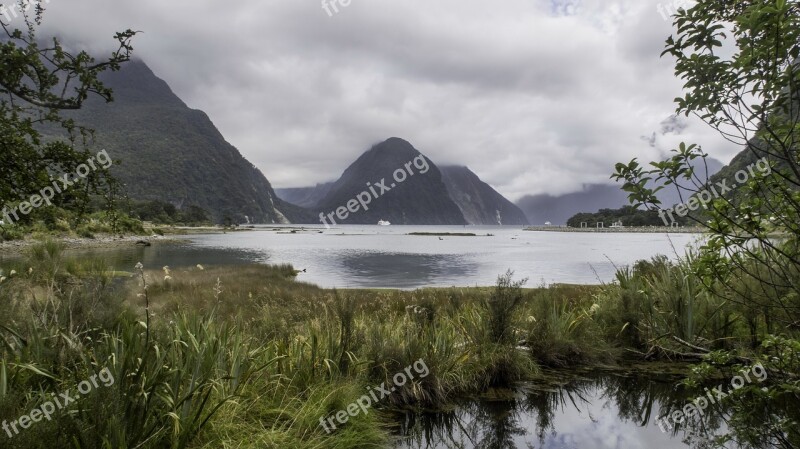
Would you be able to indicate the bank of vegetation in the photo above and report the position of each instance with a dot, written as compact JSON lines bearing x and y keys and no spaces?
{"x":249,"y":357}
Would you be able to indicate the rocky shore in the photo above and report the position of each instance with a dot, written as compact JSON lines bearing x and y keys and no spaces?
{"x":18,"y":246}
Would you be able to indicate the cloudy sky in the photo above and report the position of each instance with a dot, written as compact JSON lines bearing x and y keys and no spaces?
{"x":534,"y":95}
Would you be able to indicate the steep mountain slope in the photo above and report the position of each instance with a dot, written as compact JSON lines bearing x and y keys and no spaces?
{"x":478,"y":201}
{"x":172,"y":153}
{"x":757,"y":149}
{"x":419,"y":198}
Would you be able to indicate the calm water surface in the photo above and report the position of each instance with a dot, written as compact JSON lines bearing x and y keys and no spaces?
{"x":387,"y":257}
{"x":591,"y":411}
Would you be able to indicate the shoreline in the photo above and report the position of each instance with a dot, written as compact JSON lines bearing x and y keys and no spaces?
{"x":17,"y":247}
{"x":105,"y":241}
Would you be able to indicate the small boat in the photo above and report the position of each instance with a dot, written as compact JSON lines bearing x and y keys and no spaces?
{"x":383,"y":223}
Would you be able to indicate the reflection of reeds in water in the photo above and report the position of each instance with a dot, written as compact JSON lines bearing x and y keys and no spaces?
{"x":490,"y":425}
{"x":494,"y":424}
{"x":444,"y":428}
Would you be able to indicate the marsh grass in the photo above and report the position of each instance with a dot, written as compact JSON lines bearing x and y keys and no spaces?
{"x":249,"y":357}
{"x":561,"y":329}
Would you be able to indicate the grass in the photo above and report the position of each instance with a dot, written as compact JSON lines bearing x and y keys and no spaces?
{"x":240,"y":357}
{"x":56,"y":222}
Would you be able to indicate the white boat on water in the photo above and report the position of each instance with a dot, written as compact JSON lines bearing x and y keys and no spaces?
{"x":383,"y":223}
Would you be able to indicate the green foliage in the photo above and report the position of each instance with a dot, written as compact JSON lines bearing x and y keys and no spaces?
{"x":741,"y":288}
{"x":166,"y":213}
{"x":563,"y":329}
{"x":65,"y":223}
{"x":628,"y":215}
{"x":741,"y":261}
{"x":65,"y":322}
{"x":501,"y":307}
{"x":38,"y":81}
{"x":765,"y":386}
{"x":742,"y":223}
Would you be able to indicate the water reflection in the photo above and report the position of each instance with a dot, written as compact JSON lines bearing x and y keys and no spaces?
{"x":390,"y":257}
{"x":404,"y":270}
{"x":598,"y":411}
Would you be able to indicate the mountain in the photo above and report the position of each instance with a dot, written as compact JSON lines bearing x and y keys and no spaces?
{"x":307,"y":197}
{"x":172,"y":153}
{"x":478,"y":201}
{"x":392,"y":181}
{"x":557,"y":209}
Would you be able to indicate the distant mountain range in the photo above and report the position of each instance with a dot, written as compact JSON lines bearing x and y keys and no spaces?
{"x":307,"y":197}
{"x":172,"y":153}
{"x":432,"y":195}
{"x":557,"y":209}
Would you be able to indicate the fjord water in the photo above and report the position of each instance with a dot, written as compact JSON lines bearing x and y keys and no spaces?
{"x":361,"y":256}
{"x":387,"y":257}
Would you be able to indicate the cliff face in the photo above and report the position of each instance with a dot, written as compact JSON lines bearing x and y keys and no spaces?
{"x":172,"y":153}
{"x":478,"y":201}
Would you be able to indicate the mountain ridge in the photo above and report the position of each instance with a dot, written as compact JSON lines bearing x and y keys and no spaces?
{"x":170,"y":152}
{"x":417,"y":197}
{"x":477,"y":202}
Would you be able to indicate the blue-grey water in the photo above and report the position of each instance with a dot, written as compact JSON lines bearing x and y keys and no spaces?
{"x":387,"y":257}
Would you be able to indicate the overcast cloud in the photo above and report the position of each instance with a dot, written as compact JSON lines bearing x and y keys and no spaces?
{"x":534,"y":96}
